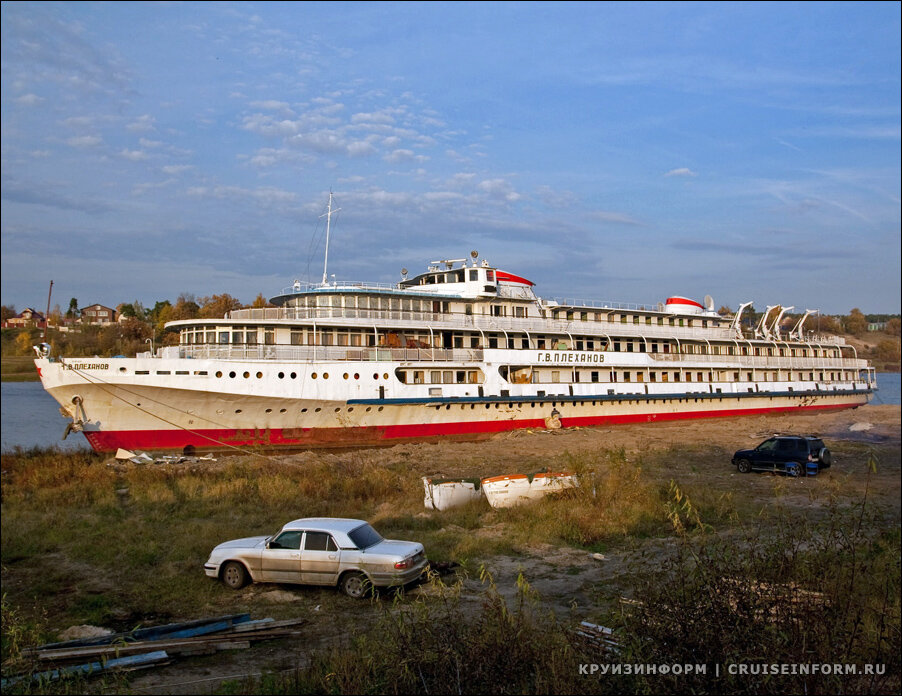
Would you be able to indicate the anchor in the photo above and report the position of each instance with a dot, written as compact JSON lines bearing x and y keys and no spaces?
{"x":78,"y":422}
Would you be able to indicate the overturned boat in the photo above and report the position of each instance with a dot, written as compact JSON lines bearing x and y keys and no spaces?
{"x":515,"y":489}
{"x":442,"y":494}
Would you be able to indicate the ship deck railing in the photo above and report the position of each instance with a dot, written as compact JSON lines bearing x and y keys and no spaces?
{"x":382,"y":320}
{"x":327,"y":353}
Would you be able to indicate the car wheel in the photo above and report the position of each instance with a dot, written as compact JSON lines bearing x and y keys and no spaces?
{"x":234,"y":575}
{"x":794,"y":469}
{"x":743,"y":466}
{"x":355,"y":585}
{"x":825,"y":457}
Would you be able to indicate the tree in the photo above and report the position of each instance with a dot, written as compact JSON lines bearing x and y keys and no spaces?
{"x":126,"y":310}
{"x":856,"y":323}
{"x":7,"y":312}
{"x":828,"y":325}
{"x":72,"y":312}
{"x":724,"y":311}
{"x":24,"y":342}
{"x":892,"y":326}
{"x":56,"y":316}
{"x":218,"y":306}
{"x":260,"y":302}
{"x":888,"y":350}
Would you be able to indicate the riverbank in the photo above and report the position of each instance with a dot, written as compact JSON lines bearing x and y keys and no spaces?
{"x":88,"y":540}
{"x":18,"y":369}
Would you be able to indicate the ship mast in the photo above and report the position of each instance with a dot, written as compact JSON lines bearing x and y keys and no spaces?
{"x":328,"y":217}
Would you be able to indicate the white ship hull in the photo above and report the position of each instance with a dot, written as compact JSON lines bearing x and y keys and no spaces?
{"x":179,"y":404}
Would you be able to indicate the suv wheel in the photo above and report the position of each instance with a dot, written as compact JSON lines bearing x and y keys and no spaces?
{"x":825,"y":457}
{"x":795,"y":469}
{"x":743,"y":466}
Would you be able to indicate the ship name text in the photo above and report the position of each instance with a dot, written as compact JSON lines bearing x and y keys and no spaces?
{"x":86,"y":366}
{"x":569,"y":357}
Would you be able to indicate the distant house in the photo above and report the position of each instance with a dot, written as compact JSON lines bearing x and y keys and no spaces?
{"x":98,"y":314}
{"x":27,"y":317}
{"x":877,"y":326}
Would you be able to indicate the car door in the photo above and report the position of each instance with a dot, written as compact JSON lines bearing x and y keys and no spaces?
{"x":765,"y":454}
{"x":281,"y":559}
{"x":787,"y":454}
{"x":320,"y":559}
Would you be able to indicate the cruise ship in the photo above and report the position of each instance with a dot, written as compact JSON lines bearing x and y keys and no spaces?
{"x":462,"y":350}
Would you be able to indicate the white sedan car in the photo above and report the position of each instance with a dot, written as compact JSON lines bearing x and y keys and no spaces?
{"x":319,"y":551}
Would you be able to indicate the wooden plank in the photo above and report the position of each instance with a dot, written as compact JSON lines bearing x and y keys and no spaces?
{"x":131,"y":662}
{"x":149,"y":633}
{"x":170,"y":645}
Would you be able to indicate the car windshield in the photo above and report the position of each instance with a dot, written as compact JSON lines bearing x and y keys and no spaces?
{"x":365,"y":536}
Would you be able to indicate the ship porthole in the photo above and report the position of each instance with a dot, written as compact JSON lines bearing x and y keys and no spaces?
{"x":337,"y":410}
{"x":375,"y":375}
{"x":345,"y":375}
{"x":303,"y":410}
{"x":356,"y":375}
{"x":282,"y":410}
{"x":219,"y":374}
{"x":247,"y":374}
{"x":232,"y":374}
{"x":293,"y":375}
{"x":237,"y":410}
{"x":325,"y":375}
{"x":350,"y":409}
{"x":317,"y":410}
{"x":269,"y":410}
{"x":259,"y":375}
{"x":379,"y":409}
{"x":313,"y":375}
{"x":281,"y":375}
{"x":368,"y":409}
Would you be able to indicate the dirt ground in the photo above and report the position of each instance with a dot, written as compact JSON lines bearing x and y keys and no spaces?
{"x":567,"y":579}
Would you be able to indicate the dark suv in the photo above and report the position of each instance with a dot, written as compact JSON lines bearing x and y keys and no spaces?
{"x":790,"y":454}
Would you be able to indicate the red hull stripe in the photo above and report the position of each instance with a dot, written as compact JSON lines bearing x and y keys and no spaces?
{"x":300,"y":438}
{"x":683,"y":301}
{"x":505,"y":277}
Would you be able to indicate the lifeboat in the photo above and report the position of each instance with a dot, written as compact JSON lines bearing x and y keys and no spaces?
{"x":683,"y":305}
{"x":515,"y":489}
{"x":442,"y":494}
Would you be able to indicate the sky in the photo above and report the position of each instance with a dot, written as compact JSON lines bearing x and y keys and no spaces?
{"x":623,"y":152}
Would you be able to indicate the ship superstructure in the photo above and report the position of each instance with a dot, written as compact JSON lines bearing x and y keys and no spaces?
{"x":464,"y":349}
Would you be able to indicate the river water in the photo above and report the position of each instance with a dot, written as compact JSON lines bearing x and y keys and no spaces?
{"x":30,"y":417}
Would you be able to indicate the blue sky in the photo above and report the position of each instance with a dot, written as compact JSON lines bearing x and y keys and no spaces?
{"x":621,"y":152}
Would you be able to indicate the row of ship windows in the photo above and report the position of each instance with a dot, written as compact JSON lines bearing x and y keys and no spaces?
{"x":326,"y":337}
{"x":476,"y":376}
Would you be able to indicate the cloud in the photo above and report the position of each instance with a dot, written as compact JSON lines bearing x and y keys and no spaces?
{"x":133,"y":155}
{"x":176,"y":169}
{"x":609,"y":216}
{"x":499,"y":189}
{"x":682,"y":171}
{"x":29,"y":100}
{"x":142,"y":124}
{"x":85,"y":141}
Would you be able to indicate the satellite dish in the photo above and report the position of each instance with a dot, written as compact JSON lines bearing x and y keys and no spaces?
{"x":404,"y":272}
{"x":709,"y":303}
{"x":474,"y":253}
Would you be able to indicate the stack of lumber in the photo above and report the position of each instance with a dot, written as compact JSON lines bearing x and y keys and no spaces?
{"x":154,"y":646}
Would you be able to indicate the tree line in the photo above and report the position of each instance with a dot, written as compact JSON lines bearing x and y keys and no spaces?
{"x":142,"y":327}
